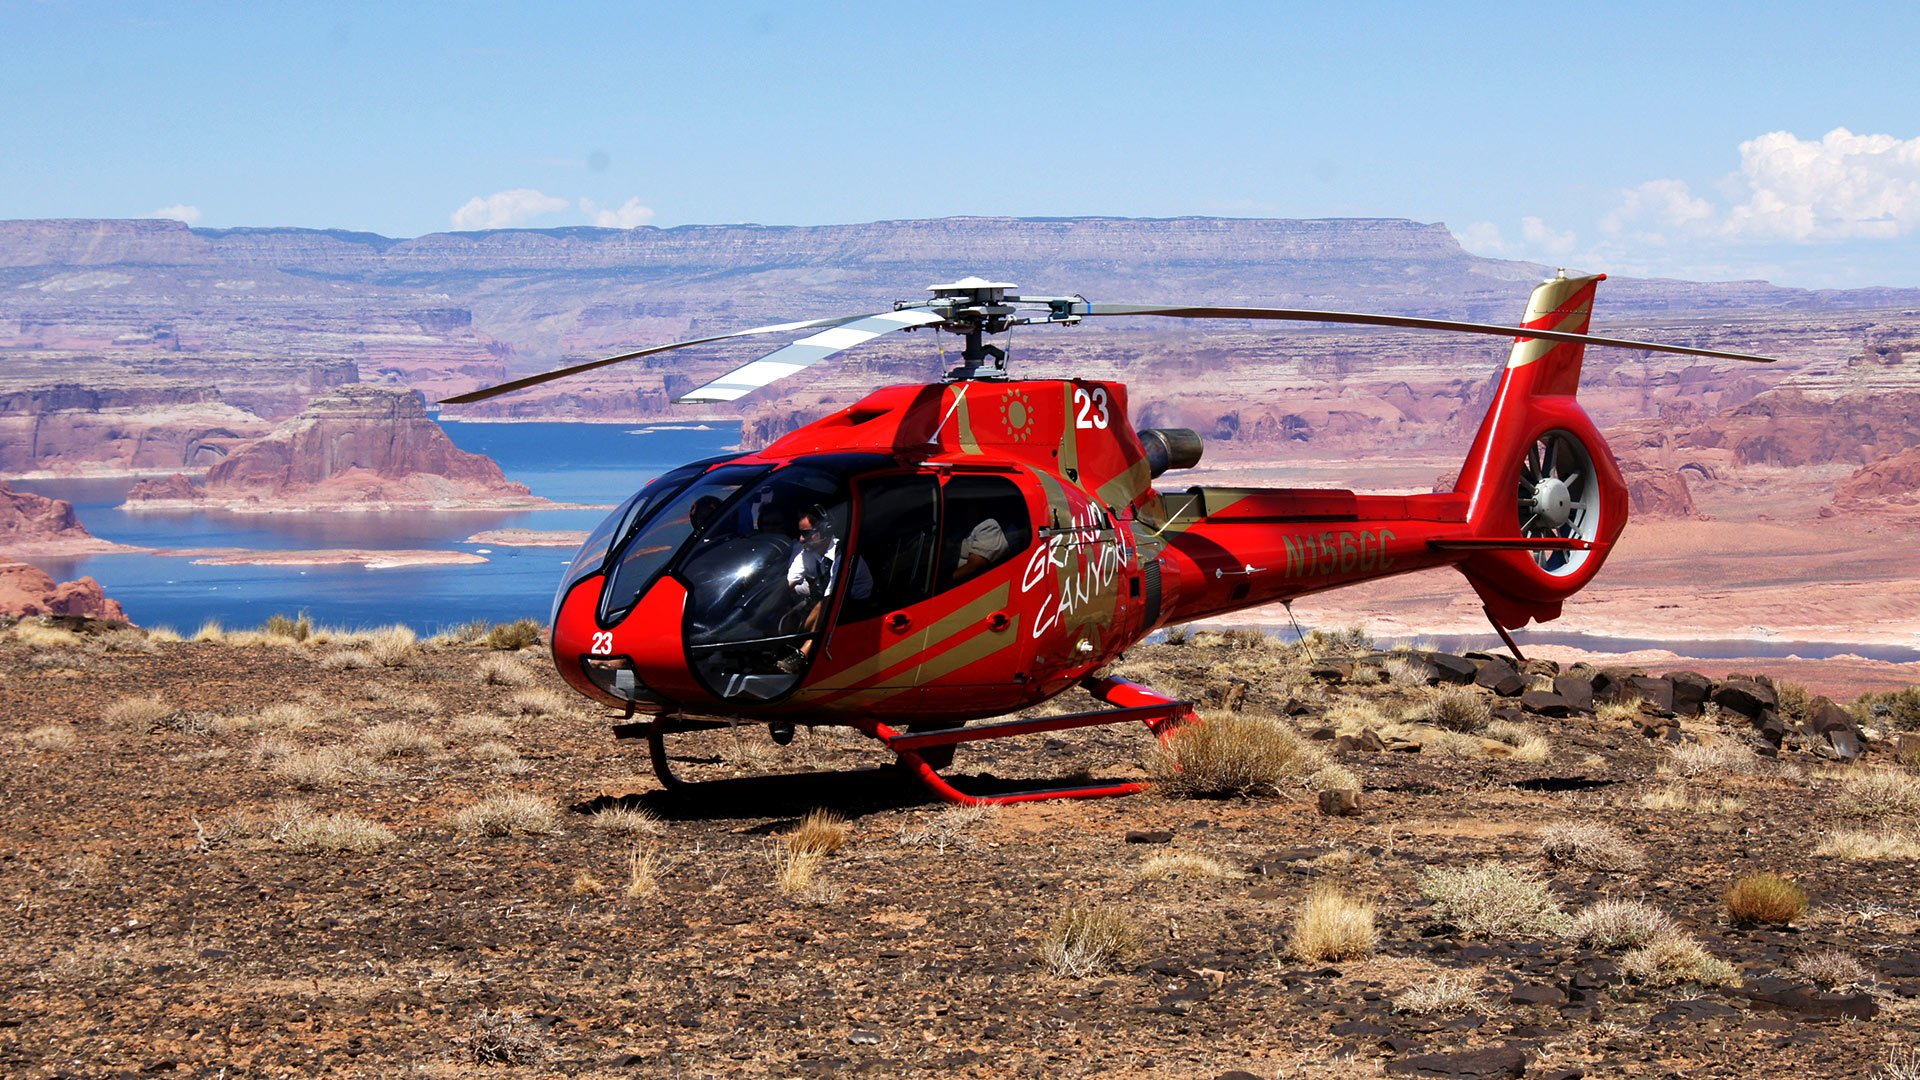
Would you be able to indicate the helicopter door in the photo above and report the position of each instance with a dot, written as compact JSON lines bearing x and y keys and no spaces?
{"x":943,"y":560}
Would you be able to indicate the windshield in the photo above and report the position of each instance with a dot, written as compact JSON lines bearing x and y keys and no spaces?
{"x":654,"y":535}
{"x":593,"y":554}
{"x":761,"y":579}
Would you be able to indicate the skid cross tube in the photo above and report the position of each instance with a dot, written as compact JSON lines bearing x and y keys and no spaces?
{"x":1162,"y":715}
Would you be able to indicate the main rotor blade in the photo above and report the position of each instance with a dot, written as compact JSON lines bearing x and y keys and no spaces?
{"x":1365,"y":319}
{"x":807,"y":352}
{"x":561,"y":373}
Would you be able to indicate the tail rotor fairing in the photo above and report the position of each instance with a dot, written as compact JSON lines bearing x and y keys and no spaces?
{"x":1559,"y":496}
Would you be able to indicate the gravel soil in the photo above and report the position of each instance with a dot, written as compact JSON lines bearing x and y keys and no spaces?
{"x":168,"y":911}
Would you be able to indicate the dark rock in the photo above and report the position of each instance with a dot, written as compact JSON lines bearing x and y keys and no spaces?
{"x":863,"y":1038}
{"x":1331,"y":670}
{"x":1608,"y":683}
{"x":1142,"y":836}
{"x":1493,"y":671}
{"x":1540,"y":667}
{"x":1340,"y":802}
{"x":1537,"y":994}
{"x":1546,"y":703}
{"x":1690,"y":690}
{"x":1491,"y":1062}
{"x":1368,"y":740}
{"x":1448,"y":668}
{"x":1323,"y":734}
{"x":1654,"y":692}
{"x":1402,"y":746}
{"x":1833,"y":729}
{"x":1747,"y":697}
{"x":1809,"y":1002}
{"x":1238,"y":1074}
{"x":1359,"y":1027}
{"x":1577,"y":691}
{"x":1235,"y":697}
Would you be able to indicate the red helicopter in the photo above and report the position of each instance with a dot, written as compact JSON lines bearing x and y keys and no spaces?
{"x":937,"y":554}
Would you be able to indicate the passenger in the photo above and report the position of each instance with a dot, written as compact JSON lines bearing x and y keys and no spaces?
{"x":702,"y":511}
{"x":983,"y":547}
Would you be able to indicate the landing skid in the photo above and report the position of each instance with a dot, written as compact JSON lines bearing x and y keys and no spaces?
{"x":1161,"y":714}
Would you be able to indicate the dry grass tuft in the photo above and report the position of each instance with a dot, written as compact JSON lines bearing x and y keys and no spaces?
{"x":819,"y":833}
{"x":504,"y":671}
{"x":286,"y":716}
{"x":539,"y":702}
{"x":794,"y":871}
{"x":1693,"y":760}
{"x":1676,"y":958}
{"x":296,"y":629}
{"x":1619,"y":924}
{"x":948,"y":825}
{"x":644,"y":866}
{"x":1333,"y":926}
{"x":1859,"y":845}
{"x":35,"y":634}
{"x":398,"y":739}
{"x":52,"y":738}
{"x":630,"y":822}
{"x":1402,"y":669}
{"x":1449,"y":993}
{"x":1184,"y":866}
{"x":333,"y":834}
{"x":518,"y":634}
{"x":393,"y":646}
{"x":211,"y":632}
{"x":1765,"y":898}
{"x":1903,"y":1063}
{"x":1086,"y":941}
{"x":515,"y":813}
{"x":1618,"y":712}
{"x":1878,"y":793}
{"x":163,"y":635}
{"x":504,"y":1037}
{"x":481,"y":726}
{"x":325,"y":767}
{"x":1529,"y":746}
{"x":1590,"y":844}
{"x":1836,"y":969}
{"x":142,"y":713}
{"x":1492,"y":900}
{"x":347,"y":659}
{"x":499,"y":755}
{"x":1452,"y":708}
{"x":585,"y":884}
{"x":1231,"y":754}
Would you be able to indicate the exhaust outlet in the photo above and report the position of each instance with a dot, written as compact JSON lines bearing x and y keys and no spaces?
{"x":1171,"y":448}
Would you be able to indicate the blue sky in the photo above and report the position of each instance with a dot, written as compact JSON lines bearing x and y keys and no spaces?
{"x":1696,"y":140}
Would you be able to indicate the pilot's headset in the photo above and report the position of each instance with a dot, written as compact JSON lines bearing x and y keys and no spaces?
{"x":822,"y":524}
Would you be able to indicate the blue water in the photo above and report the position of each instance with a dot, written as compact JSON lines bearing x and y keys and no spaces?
{"x":573,"y":463}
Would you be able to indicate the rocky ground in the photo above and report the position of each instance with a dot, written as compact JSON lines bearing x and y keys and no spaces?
{"x":260,"y":856}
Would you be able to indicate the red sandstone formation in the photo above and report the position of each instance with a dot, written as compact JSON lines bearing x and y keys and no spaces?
{"x":28,"y":518}
{"x":27,"y":590}
{"x":357,"y":448}
{"x":1655,"y":493}
{"x":1892,"y":482}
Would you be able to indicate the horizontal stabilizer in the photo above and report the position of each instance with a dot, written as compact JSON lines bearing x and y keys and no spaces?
{"x":1507,"y":543}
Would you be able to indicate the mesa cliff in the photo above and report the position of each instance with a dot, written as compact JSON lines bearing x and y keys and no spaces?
{"x":27,"y":590}
{"x":358,"y":448}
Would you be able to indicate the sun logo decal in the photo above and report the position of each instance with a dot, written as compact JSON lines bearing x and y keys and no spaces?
{"x":1016,"y":412}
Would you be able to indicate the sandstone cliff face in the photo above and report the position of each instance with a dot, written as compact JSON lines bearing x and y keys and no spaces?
{"x":70,"y":429}
{"x":1792,"y":427}
{"x":27,"y":590}
{"x":1892,"y":482}
{"x":1655,"y":494}
{"x":357,"y":448}
{"x":26,"y":518}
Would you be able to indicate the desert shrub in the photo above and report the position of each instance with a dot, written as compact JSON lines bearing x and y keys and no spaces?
{"x":644,"y":865}
{"x":504,"y":1037}
{"x":1179,"y":635}
{"x":1405,"y":669}
{"x":298,"y":628}
{"x":393,"y":646}
{"x":1449,"y":993}
{"x":163,"y":635}
{"x":52,"y":737}
{"x":1705,"y":760}
{"x":819,"y":833}
{"x":539,"y":702}
{"x":1895,"y":710}
{"x":504,"y":671}
{"x":497,"y":754}
{"x":398,"y":739}
{"x":1332,"y":926}
{"x":1366,"y":675}
{"x":140,"y":713}
{"x":1625,"y":711}
{"x":1087,"y":940}
{"x":1590,"y":844}
{"x":1859,"y":845}
{"x":347,"y":659}
{"x":1681,"y":797}
{"x":1675,"y":958}
{"x":1835,"y":969}
{"x":1183,"y":866}
{"x":1793,"y":700}
{"x":518,"y":634}
{"x":1351,"y":641}
{"x":284,"y":716}
{"x":334,"y":834}
{"x":1765,"y":898}
{"x":481,"y":726}
{"x":794,"y":871}
{"x":585,"y":884}
{"x":324,"y":767}
{"x":1618,"y":924}
{"x":1491,"y":900}
{"x":1231,"y":754}
{"x":1528,"y":745}
{"x":1876,"y":793}
{"x":36,"y":634}
{"x":1452,"y":708}
{"x":515,"y":813}
{"x":625,"y":821}
{"x":211,"y":632}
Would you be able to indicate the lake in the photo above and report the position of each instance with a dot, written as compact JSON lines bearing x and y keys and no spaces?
{"x":575,"y":463}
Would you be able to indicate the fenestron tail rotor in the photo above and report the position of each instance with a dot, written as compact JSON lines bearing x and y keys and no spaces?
{"x":975,"y":308}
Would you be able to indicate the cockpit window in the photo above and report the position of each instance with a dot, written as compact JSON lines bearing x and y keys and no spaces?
{"x":653,"y":535}
{"x":593,"y":554}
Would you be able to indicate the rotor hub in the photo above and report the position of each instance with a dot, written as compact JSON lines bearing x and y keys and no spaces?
{"x":1552,"y":501}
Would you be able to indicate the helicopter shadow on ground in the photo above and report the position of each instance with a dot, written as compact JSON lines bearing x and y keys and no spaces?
{"x":851,"y":794}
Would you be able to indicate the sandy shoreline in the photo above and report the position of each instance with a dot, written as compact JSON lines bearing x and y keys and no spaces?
{"x":372,"y":560}
{"x":460,"y":507}
{"x":567,"y":538}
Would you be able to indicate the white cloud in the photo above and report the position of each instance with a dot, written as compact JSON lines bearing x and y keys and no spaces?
{"x":629,"y":215}
{"x":178,"y":212}
{"x":1653,"y":211}
{"x":1536,"y":236}
{"x":1483,"y":238}
{"x":1844,"y":186}
{"x":505,"y":209}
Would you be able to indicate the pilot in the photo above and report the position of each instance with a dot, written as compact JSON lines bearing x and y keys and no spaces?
{"x":810,"y":575}
{"x":984,"y":546}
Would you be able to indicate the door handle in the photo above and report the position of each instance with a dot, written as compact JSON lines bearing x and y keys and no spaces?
{"x":899,"y":623}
